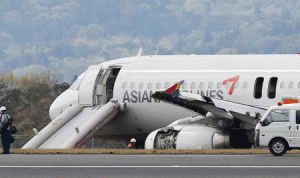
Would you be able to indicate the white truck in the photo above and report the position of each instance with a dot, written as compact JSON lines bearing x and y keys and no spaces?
{"x":279,"y":129}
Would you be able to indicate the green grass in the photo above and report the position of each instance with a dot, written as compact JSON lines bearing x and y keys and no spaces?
{"x":147,"y":152}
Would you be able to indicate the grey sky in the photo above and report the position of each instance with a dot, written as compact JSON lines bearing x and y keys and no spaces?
{"x":67,"y":36}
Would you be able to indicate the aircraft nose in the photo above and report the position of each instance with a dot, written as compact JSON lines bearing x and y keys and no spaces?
{"x":63,"y":102}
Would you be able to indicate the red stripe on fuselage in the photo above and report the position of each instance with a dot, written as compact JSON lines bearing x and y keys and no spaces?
{"x":234,"y":80}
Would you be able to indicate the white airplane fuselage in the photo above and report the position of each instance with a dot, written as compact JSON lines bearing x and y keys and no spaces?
{"x":256,"y":80}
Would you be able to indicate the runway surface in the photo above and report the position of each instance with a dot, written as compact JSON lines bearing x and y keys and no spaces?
{"x":149,"y":166}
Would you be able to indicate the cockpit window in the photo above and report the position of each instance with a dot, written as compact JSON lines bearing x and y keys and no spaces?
{"x":80,"y":81}
{"x":76,"y":84}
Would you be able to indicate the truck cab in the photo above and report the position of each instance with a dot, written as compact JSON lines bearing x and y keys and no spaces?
{"x":279,"y":128}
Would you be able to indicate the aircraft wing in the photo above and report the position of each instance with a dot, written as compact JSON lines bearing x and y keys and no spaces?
{"x":204,"y":104}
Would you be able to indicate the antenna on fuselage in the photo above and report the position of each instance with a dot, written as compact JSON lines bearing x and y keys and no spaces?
{"x":140,"y":52}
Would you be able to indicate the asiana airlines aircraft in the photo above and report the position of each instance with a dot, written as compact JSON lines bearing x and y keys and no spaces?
{"x":171,"y":101}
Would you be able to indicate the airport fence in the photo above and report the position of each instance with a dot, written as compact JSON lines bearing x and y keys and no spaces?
{"x":21,"y":140}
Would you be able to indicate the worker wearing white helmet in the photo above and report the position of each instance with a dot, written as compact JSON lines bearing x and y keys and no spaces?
{"x":132,"y":144}
{"x":5,"y":130}
{"x":3,"y":108}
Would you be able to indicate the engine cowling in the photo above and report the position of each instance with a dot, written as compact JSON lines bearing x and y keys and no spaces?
{"x":188,"y":137}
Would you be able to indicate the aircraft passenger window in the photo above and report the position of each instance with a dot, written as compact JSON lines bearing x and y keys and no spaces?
{"x":219,"y":85}
{"x":245,"y":85}
{"x":282,"y":85}
{"x":193,"y":85}
{"x":167,"y":85}
{"x":298,"y":85}
{"x":272,"y":87}
{"x":184,"y":85}
{"x":291,"y":85}
{"x":297,"y":117}
{"x":141,"y":85}
{"x":201,"y":85}
{"x":228,"y":84}
{"x":158,"y":85}
{"x":132,"y":85}
{"x":236,"y":86}
{"x":124,"y":85}
{"x":210,"y":85}
{"x":149,"y":85}
{"x":258,"y":87}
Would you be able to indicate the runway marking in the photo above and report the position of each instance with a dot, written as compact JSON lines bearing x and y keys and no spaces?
{"x":175,"y":166}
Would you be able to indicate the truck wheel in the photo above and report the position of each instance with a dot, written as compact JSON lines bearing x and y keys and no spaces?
{"x":278,"y":147}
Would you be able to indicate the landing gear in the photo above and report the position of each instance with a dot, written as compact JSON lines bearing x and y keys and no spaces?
{"x":239,"y":139}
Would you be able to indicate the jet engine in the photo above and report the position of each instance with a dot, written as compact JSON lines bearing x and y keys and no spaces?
{"x":188,"y":137}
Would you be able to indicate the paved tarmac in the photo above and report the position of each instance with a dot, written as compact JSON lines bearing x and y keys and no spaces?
{"x":149,"y":166}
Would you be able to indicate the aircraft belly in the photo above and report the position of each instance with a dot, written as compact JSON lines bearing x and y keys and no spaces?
{"x":144,"y":118}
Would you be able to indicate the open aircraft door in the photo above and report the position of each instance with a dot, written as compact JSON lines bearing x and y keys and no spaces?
{"x":87,"y":88}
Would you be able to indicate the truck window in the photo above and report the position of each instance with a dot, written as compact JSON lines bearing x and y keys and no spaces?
{"x":297,"y":117}
{"x":278,"y":115}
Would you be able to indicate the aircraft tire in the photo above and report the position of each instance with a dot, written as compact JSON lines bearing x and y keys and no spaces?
{"x":278,"y":147}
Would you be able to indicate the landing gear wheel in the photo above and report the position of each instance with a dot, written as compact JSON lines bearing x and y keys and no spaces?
{"x":278,"y":147}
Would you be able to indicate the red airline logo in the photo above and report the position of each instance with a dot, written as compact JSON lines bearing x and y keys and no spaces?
{"x":233,"y":80}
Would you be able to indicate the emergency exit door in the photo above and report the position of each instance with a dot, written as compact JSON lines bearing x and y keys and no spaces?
{"x":88,"y":85}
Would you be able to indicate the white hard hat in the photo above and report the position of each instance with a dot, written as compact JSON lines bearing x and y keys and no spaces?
{"x":133,"y":140}
{"x":3,"y":108}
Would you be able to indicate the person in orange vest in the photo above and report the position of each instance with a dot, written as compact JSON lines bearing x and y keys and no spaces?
{"x":132,"y":143}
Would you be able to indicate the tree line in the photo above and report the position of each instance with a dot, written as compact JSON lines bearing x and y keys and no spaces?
{"x":28,"y":98}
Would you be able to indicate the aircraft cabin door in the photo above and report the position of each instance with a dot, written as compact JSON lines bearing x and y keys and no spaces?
{"x":87,"y":88}
{"x":105,"y":85}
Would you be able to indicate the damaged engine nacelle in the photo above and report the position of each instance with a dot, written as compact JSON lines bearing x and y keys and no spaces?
{"x":188,"y":137}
